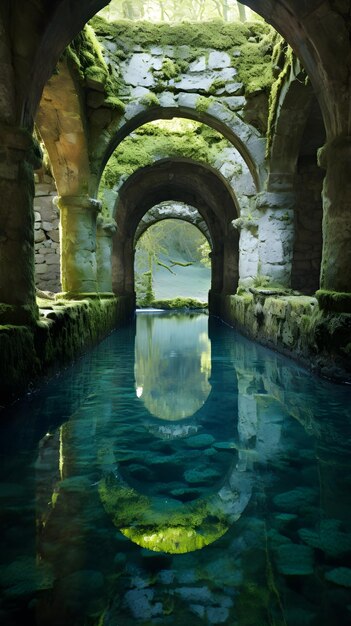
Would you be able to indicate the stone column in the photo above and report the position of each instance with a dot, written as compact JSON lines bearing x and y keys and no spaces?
{"x":231,"y":263}
{"x":335,"y":157}
{"x":105,"y":232}
{"x":78,"y":244}
{"x":276,"y":236}
{"x":18,"y":155}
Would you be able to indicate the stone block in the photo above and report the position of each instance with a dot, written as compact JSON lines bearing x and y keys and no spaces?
{"x":40,"y":268}
{"x":44,"y":205}
{"x":199,"y":65}
{"x":95,"y":99}
{"x":54,"y":235}
{"x":218,"y":60}
{"x":101,"y":117}
{"x":137,"y":72}
{"x":39,"y":258}
{"x":39,"y":236}
{"x":52,"y":259}
{"x":37,"y":216}
{"x":234,"y":89}
{"x":43,"y":189}
{"x":235,"y":103}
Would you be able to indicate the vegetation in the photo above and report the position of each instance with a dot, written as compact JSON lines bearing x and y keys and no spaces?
{"x":176,"y":10}
{"x":158,"y":140}
{"x":156,"y":247}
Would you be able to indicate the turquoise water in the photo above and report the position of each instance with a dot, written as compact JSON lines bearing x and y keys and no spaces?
{"x":177,"y":473}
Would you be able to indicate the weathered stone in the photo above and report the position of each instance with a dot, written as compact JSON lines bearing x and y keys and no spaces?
{"x":95,"y":99}
{"x":199,"y":65}
{"x":54,"y":235}
{"x":52,"y":259}
{"x":137,"y":72}
{"x":39,"y":236}
{"x":218,"y":60}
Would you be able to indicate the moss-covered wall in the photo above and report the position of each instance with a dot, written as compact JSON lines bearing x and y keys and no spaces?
{"x":66,"y":329}
{"x":296,"y":326}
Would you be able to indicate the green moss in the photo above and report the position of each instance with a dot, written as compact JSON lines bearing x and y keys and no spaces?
{"x":85,"y":53}
{"x":179,"y":303}
{"x":214,"y":34}
{"x":115,"y":103}
{"x":150,"y":142}
{"x":285,"y":53}
{"x":203,"y":103}
{"x":338,"y":302}
{"x":169,"y":69}
{"x":30,"y":353}
{"x":150,"y":100}
{"x":255,"y":65}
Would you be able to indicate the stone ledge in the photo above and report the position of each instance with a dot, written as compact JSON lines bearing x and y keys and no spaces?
{"x":31,"y":354}
{"x":296,"y":327}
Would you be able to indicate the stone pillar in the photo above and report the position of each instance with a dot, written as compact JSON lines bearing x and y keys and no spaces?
{"x":18,"y":155}
{"x":335,"y":157}
{"x":276,"y":236}
{"x":104,"y":234}
{"x":78,"y":244}
{"x":231,"y":263}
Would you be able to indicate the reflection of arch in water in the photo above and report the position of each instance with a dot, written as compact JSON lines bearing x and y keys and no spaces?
{"x":172,"y":370}
{"x":160,"y":526}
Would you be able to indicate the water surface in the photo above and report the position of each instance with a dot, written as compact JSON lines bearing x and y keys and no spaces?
{"x":177,"y":472}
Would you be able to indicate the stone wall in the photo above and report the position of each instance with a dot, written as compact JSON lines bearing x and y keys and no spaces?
{"x":308,"y":227}
{"x":46,"y":235}
{"x":295,"y":326}
{"x":65,"y":330}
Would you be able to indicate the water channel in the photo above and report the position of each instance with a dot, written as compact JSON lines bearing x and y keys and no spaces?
{"x":177,"y":473}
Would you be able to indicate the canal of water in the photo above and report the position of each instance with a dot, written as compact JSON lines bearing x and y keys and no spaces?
{"x":178,"y":472}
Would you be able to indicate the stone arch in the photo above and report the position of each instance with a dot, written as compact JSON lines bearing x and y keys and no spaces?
{"x":245,"y":138}
{"x":54,"y":29}
{"x":190,"y":182}
{"x":178,"y":211}
{"x":291,"y":114}
{"x":60,"y":121}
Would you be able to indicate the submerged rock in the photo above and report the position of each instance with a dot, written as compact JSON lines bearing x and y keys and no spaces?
{"x":294,"y":560}
{"x":295,"y":499}
{"x":340,"y":576}
{"x":200,"y":441}
{"x":201,"y":476}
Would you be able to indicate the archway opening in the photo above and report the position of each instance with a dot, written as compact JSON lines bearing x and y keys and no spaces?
{"x":172,"y":261}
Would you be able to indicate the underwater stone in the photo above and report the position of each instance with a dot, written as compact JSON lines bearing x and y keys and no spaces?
{"x":217,"y":615}
{"x":294,"y":560}
{"x":225,"y":445}
{"x":295,"y":499}
{"x":340,"y":576}
{"x":201,"y":476}
{"x":327,"y":538}
{"x":195,"y":594}
{"x":200,"y":441}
